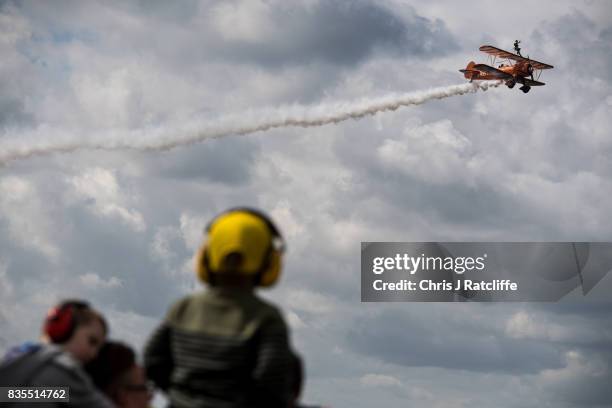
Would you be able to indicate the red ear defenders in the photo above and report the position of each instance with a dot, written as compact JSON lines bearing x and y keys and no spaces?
{"x":60,"y":322}
{"x":269,"y":271}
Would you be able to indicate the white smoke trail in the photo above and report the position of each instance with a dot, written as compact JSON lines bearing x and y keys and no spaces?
{"x":46,"y":140}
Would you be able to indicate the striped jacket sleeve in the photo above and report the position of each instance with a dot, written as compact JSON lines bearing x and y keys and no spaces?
{"x":271,"y":386}
{"x":158,"y":357}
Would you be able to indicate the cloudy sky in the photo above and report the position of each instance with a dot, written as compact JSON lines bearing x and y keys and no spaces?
{"x":120,"y":227}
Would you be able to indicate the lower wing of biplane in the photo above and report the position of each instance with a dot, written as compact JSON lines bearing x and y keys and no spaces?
{"x":492,"y":73}
{"x":531,"y":82}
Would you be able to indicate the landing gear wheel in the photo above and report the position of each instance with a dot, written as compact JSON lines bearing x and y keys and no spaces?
{"x":525,"y":88}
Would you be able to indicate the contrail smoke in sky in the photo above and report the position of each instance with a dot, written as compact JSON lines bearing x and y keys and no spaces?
{"x":44,"y":140}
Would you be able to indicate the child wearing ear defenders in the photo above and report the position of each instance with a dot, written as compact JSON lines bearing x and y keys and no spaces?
{"x":73,"y":333}
{"x":225,"y":346}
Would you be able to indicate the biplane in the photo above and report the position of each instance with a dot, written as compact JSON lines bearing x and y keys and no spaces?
{"x":512,"y":69}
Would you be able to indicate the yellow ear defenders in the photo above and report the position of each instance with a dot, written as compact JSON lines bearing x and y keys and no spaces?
{"x":248,"y":232}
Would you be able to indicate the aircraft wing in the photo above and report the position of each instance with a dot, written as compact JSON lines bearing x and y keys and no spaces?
{"x":497,"y":52}
{"x":530,"y":82}
{"x":494,"y":72}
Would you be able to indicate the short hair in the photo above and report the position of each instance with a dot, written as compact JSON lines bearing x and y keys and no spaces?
{"x":85,"y":314}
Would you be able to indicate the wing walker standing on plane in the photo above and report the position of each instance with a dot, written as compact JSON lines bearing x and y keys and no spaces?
{"x":513,"y":69}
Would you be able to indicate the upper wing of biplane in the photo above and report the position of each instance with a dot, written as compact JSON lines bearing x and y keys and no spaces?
{"x":494,"y":72}
{"x":496,"y":52}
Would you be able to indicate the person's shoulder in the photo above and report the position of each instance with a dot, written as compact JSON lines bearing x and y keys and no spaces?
{"x":20,"y":365}
{"x":66,"y":371}
{"x":61,"y":362}
{"x":265,"y":304}
{"x":177,"y":309}
{"x":20,"y":350}
{"x":51,"y":366}
{"x":56,"y":367}
{"x":267,"y":309}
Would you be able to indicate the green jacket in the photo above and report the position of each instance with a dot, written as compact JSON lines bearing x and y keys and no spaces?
{"x":221,"y":348}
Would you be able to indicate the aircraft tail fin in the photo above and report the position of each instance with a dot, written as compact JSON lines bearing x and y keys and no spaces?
{"x":469,"y":72}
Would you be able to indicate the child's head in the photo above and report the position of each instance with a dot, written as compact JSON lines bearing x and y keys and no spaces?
{"x":78,"y":328}
{"x":243,"y":249}
{"x":117,"y":374}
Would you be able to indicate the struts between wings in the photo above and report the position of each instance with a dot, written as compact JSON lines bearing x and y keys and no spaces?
{"x":513,"y":69}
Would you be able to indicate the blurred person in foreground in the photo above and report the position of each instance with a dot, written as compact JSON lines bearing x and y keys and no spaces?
{"x":73,"y":333}
{"x":297,"y":383}
{"x":117,"y":374}
{"x":225,"y":346}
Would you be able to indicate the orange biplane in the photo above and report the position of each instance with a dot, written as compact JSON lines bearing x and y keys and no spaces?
{"x":514,"y":68}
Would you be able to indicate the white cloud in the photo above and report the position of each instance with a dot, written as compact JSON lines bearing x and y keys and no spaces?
{"x":583,"y":381}
{"x":294,"y":320}
{"x":379,"y":380}
{"x":107,"y":100}
{"x":6,"y":286}
{"x":345,"y":235}
{"x":192,"y":230}
{"x":526,"y":325}
{"x":434,"y":153}
{"x":130,"y":327}
{"x":523,"y":325}
{"x":93,"y":281}
{"x":13,"y":28}
{"x":29,"y":219}
{"x":577,"y":366}
{"x":108,"y":200}
{"x":286,"y":219}
{"x":161,"y":246}
{"x":308,"y":301}
{"x":248,"y":21}
{"x":21,"y":312}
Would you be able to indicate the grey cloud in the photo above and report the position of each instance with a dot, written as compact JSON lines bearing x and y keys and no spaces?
{"x":16,"y":85}
{"x":180,"y":12}
{"x":13,"y":112}
{"x":108,"y":248}
{"x":582,"y":43}
{"x":22,"y":263}
{"x":342,"y":33}
{"x":227,"y":162}
{"x":525,"y":143}
{"x":397,"y":338}
{"x":587,"y":324}
{"x":200,"y":180}
{"x":583,"y":382}
{"x":90,"y":243}
{"x":592,"y":310}
{"x":456,"y":202}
